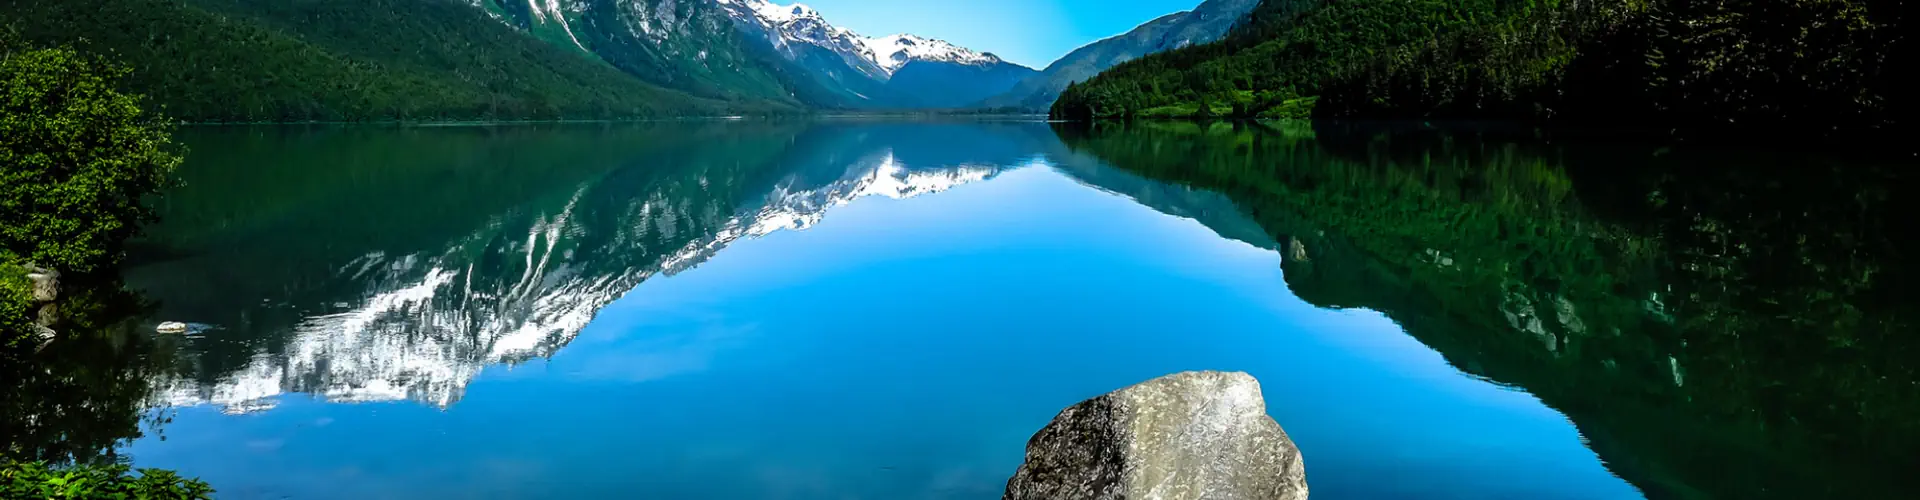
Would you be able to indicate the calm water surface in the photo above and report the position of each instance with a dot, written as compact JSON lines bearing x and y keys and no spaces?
{"x":889,"y":310}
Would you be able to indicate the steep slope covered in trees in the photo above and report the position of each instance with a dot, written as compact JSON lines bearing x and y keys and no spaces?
{"x":249,"y":60}
{"x":1778,"y":65}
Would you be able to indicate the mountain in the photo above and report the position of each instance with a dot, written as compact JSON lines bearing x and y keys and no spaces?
{"x":896,"y":71}
{"x":1208,"y":22}
{"x":756,"y":49}
{"x":260,"y":60}
{"x":687,"y":45}
{"x":819,"y":55}
{"x":937,"y":74}
{"x":361,"y":60}
{"x":1725,"y":69}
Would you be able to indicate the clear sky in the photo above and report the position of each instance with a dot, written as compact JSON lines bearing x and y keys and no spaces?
{"x":1028,"y":32}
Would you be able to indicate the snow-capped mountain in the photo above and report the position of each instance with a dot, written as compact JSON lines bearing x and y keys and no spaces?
{"x":795,"y":30}
{"x":879,"y":57}
{"x":756,"y":48}
{"x":686,"y":45}
{"x":894,"y":51}
{"x":867,"y":67}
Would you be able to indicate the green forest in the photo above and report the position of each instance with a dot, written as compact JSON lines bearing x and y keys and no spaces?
{"x":348,"y":60}
{"x":1790,"y":66}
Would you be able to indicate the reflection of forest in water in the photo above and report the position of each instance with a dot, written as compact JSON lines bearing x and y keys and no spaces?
{"x":1718,"y":324}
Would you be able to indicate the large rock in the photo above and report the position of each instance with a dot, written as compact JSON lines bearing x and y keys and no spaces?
{"x":46,"y":284}
{"x":1189,"y":435}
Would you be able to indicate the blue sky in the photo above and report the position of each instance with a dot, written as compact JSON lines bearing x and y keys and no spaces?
{"x":1029,"y":32}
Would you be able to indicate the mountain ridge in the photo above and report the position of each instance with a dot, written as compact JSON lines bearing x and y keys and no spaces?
{"x":864,"y":67}
{"x":312,"y":60}
{"x":259,"y":61}
{"x":1207,"y":22}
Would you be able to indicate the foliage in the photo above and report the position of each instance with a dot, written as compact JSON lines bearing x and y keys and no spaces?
{"x":16,"y":308}
{"x":69,"y":405}
{"x":38,"y":480}
{"x":78,"y":157}
{"x":1783,"y":66}
{"x":347,"y":60}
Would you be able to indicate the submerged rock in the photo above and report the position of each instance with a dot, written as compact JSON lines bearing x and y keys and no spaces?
{"x":171,"y":327}
{"x":1188,"y":435}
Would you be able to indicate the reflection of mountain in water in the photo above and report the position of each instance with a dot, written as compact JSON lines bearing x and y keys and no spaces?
{"x":796,"y":208}
{"x":418,"y":325}
{"x":1713,"y":333}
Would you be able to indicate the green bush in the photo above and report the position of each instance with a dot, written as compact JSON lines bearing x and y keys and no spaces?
{"x":16,"y":299}
{"x":38,"y":480}
{"x":76,"y":157}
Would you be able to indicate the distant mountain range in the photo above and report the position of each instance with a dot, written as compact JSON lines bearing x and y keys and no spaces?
{"x":894,"y":71}
{"x":359,"y":60}
{"x":755,"y":49}
{"x":1206,"y":23}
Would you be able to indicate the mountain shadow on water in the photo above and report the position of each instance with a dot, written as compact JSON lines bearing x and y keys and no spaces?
{"x":1717,"y":324}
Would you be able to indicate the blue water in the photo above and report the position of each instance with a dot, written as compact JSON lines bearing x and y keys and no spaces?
{"x":901,"y":346}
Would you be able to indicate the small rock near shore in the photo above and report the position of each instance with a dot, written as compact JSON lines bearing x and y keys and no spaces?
{"x":46,"y":284}
{"x":1192,"y":435}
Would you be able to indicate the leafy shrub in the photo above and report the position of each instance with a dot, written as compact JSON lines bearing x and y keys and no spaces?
{"x":76,"y":157}
{"x":16,"y":300}
{"x":38,"y":480}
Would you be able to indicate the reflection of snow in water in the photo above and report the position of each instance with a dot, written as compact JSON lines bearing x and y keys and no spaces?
{"x":787,"y":208}
{"x":430,"y":324}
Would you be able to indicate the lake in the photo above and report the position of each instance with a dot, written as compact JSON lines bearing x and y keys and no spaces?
{"x":888,"y":310}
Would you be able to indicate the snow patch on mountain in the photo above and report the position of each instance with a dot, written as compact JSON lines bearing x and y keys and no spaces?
{"x":892,"y":52}
{"x":551,"y":11}
{"x":879,"y":57}
{"x":781,"y":13}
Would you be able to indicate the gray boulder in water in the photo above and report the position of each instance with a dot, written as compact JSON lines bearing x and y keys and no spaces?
{"x":1192,"y":435}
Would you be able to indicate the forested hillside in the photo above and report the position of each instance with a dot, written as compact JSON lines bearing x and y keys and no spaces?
{"x":300,"y":60}
{"x":1778,"y":65}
